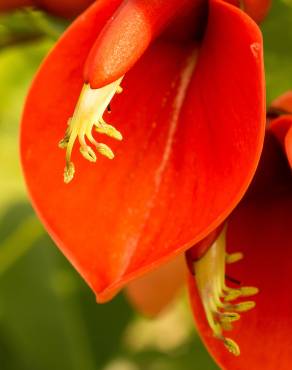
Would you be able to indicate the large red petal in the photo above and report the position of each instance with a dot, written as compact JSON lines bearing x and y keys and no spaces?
{"x":188,"y":156}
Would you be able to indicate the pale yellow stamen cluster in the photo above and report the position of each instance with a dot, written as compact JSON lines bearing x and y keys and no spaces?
{"x":88,"y":114}
{"x":217,"y":297}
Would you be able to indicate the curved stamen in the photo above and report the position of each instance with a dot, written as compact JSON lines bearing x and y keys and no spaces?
{"x":217,"y":296}
{"x":88,"y":113}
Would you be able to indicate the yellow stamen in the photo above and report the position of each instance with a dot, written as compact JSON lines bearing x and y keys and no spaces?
{"x":234,"y":257}
{"x":69,"y":173}
{"x":241,"y":307}
{"x":88,"y":114}
{"x":216,"y":295}
{"x":248,"y":291}
{"x":228,"y":317}
{"x":103,"y":128}
{"x":232,"y":294}
{"x":231,"y":346}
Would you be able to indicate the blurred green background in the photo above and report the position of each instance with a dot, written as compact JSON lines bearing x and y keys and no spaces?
{"x":48,"y":316}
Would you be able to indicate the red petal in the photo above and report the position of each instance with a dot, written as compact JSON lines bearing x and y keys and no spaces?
{"x":283,"y":103}
{"x":262,"y":230}
{"x":151,"y":293}
{"x":272,"y":173}
{"x":127,"y":35}
{"x":257,"y":9}
{"x":199,"y":249}
{"x":282,"y":129}
{"x":187,"y":158}
{"x":288,"y":146}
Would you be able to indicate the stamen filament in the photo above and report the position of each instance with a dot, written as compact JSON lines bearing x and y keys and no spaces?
{"x":88,"y":113}
{"x":216,"y":295}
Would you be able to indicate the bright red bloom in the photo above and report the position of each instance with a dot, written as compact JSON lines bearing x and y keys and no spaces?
{"x":261,"y":228}
{"x":192,"y":116}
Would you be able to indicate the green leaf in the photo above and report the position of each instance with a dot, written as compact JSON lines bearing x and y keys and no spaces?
{"x":277,"y":33}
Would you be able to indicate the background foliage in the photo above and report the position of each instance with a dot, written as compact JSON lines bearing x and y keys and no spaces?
{"x":48,"y":317}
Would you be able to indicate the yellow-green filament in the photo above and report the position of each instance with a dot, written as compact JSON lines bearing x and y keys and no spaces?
{"x":216,"y":296}
{"x":88,"y":114}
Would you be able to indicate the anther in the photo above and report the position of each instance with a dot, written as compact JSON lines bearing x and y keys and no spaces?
{"x":88,"y":153}
{"x":248,"y":291}
{"x":232,"y":294}
{"x":69,"y":172}
{"x":229,"y":316}
{"x":231,"y":346}
{"x":103,"y":128}
{"x":105,"y":150}
{"x":241,"y":307}
{"x":234,"y":257}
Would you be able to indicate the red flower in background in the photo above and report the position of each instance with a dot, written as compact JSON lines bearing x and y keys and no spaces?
{"x":192,"y":116}
{"x":261,"y":228}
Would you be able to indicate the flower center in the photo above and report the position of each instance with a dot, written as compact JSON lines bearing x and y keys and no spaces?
{"x":88,"y":113}
{"x":217,"y":297}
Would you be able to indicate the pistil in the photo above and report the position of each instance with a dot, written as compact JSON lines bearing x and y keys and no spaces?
{"x":88,"y":114}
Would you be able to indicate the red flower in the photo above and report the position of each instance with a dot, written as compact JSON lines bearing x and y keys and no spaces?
{"x":260,"y":228}
{"x":192,"y":116}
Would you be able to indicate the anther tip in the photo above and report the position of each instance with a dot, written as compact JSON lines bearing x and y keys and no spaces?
{"x":243,"y":306}
{"x":88,"y":153}
{"x":231,"y":346}
{"x":232,"y":295}
{"x":69,"y":172}
{"x":105,"y":151}
{"x":249,"y":291}
{"x":234,"y":257}
{"x":63,"y":144}
{"x":229,"y":316}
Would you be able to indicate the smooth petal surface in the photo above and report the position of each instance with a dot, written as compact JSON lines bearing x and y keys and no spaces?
{"x":282,"y":129}
{"x":283,"y":103}
{"x":153,"y":292}
{"x":257,"y":9}
{"x":192,"y":132}
{"x":128,"y":34}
